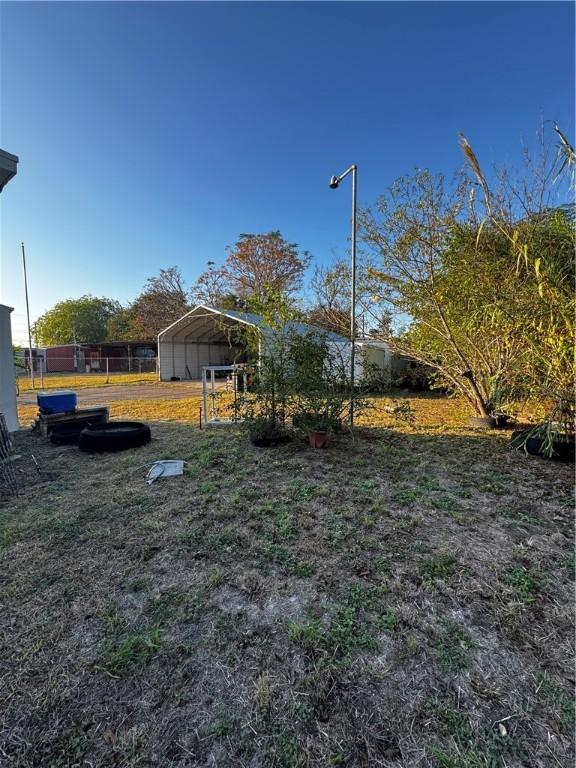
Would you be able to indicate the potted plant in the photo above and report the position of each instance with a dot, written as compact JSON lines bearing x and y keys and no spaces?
{"x":320,"y":391}
{"x":317,"y":425}
{"x":320,"y":413}
{"x":319,"y":434}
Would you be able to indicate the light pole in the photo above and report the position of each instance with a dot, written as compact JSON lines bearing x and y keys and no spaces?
{"x":334,"y":184}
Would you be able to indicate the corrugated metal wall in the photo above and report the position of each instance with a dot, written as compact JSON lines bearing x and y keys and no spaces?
{"x":176,"y":355}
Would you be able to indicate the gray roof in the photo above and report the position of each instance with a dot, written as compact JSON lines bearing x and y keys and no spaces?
{"x":301,"y":329}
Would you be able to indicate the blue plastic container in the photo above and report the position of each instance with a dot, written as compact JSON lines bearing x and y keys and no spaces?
{"x":59,"y":401}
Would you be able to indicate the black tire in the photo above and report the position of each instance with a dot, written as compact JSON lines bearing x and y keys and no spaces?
{"x":483,"y":422}
{"x":67,"y":434}
{"x":114,"y":436}
{"x":563,"y":449}
{"x":517,"y":439}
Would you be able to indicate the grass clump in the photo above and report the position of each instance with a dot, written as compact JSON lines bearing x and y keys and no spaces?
{"x":133,"y":650}
{"x":462,"y":745}
{"x":345,"y":632}
{"x":452,"y":647}
{"x":525,"y":582}
{"x":388,"y":621}
{"x":307,"y":634}
{"x":438,"y":567}
{"x":563,"y":706}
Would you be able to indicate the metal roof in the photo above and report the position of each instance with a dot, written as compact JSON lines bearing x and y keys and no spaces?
{"x":198,"y":323}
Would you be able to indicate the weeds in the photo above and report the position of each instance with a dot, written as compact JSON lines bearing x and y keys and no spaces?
{"x":388,"y":621}
{"x":452,"y":646}
{"x":438,"y":567}
{"x":120,"y":656}
{"x":525,"y":582}
{"x":563,"y":706}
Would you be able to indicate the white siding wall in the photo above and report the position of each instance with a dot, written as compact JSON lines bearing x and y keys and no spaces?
{"x":377,"y":355}
{"x":7,"y":379}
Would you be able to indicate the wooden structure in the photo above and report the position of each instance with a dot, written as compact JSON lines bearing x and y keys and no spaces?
{"x":45,"y":422}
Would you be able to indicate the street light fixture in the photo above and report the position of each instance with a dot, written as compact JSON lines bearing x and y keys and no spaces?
{"x":334,"y":184}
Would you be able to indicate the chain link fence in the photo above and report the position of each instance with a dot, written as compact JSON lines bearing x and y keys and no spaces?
{"x":82,"y":370}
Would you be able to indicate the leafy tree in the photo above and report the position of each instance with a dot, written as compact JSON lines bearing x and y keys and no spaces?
{"x":542,"y":242}
{"x":80,"y":320}
{"x":409,"y":234}
{"x":331,"y":303}
{"x":120,"y":327}
{"x":163,"y":300}
{"x":256,"y":266}
{"x":211,"y":288}
{"x":485,"y":298}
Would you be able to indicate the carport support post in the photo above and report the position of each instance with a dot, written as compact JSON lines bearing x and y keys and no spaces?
{"x":107,"y":372}
{"x":204,"y":398}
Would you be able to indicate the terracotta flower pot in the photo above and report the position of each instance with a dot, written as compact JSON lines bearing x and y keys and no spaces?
{"x":318,"y":439}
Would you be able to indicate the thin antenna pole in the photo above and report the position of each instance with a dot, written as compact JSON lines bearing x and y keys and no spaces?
{"x":28,"y":317}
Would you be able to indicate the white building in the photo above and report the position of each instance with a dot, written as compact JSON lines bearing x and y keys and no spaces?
{"x":7,"y":376}
{"x":207,"y":336}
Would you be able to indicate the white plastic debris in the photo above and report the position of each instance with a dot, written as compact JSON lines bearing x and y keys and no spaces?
{"x":167,"y":468}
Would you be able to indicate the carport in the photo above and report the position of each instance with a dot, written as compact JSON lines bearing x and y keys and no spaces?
{"x":204,"y":336}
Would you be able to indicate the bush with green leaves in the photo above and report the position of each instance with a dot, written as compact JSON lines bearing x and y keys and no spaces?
{"x":321,"y":394}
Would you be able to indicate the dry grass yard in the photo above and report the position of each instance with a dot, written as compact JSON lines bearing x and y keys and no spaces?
{"x":80,"y":381}
{"x":402,"y":600}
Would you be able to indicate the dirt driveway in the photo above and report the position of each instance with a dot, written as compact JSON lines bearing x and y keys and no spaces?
{"x":90,"y":396}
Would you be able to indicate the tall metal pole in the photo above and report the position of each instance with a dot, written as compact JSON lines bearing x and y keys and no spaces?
{"x":28,"y":317}
{"x":353,"y":298}
{"x":334,"y":184}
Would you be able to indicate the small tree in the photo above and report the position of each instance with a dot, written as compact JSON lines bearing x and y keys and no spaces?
{"x":212,"y":289}
{"x":484,"y":299}
{"x":331,"y":298}
{"x":426,"y":276}
{"x":542,"y":243}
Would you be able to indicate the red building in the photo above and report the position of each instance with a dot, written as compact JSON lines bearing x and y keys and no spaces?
{"x":133,"y":356}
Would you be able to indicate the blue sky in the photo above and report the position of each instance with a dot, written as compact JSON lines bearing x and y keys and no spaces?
{"x":152,"y":134}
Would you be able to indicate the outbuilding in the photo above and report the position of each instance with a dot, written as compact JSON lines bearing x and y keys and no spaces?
{"x":206,"y":336}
